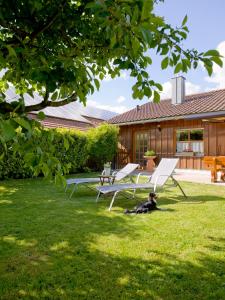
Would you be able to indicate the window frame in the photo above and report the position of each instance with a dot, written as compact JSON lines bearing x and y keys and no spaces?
{"x":189,"y":141}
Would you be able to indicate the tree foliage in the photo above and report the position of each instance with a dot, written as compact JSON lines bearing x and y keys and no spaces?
{"x":62,"y":49}
{"x":56,"y":152}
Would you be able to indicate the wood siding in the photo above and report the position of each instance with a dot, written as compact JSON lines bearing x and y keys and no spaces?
{"x":163,"y":141}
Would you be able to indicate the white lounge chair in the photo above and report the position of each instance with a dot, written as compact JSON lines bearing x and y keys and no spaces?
{"x":119,"y":175}
{"x":157,"y":180}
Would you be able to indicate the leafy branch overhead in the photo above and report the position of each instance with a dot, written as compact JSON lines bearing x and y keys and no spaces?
{"x":65,"y":49}
{"x":62,"y":49}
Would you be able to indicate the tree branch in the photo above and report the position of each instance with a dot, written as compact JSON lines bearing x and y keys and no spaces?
{"x":48,"y":23}
{"x":6,"y":107}
{"x":45,"y":104}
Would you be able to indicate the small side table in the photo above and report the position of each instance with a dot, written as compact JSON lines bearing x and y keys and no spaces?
{"x":106,"y":178}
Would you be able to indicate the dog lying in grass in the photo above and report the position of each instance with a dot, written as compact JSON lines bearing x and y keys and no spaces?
{"x":145,"y":207}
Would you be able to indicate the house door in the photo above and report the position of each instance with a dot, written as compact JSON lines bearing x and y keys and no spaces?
{"x":141,"y":144}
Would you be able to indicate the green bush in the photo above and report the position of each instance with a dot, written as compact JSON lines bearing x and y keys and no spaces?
{"x":103,"y":143}
{"x":74,"y":150}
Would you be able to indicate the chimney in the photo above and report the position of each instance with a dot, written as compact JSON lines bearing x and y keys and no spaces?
{"x":138,"y":108}
{"x":178,"y":90}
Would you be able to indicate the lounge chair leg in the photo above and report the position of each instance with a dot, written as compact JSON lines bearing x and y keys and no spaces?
{"x":114,"y":196}
{"x":134,"y":192}
{"x":66,"y":188}
{"x":177,"y":184}
{"x":75,"y":185}
{"x":182,"y":191}
{"x":99,"y":193}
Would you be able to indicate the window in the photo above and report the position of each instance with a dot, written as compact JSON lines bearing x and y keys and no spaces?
{"x":141,"y":146}
{"x":190,"y":142}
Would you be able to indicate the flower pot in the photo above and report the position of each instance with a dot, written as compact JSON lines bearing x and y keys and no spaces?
{"x":150,"y":163}
{"x":107,"y":171}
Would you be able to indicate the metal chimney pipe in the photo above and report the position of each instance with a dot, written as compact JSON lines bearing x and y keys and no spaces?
{"x":178,"y":90}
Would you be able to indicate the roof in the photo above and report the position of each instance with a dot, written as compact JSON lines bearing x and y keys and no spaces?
{"x":194,"y":105}
{"x":73,"y":111}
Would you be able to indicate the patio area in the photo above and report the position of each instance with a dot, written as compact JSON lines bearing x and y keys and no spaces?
{"x":198,"y":176}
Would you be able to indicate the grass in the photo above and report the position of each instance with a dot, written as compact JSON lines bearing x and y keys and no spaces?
{"x":55,"y":248}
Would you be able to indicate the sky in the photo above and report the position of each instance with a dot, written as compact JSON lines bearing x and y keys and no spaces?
{"x":206,"y":23}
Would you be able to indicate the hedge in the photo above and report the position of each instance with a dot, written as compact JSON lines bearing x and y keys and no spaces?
{"x":78,"y":150}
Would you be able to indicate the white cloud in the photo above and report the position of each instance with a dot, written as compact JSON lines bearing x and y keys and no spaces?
{"x":118,"y":109}
{"x":120,"y":99}
{"x":167,"y":90}
{"x":190,"y":88}
{"x":218,"y":77}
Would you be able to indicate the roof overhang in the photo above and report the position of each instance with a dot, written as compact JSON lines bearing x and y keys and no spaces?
{"x":174,"y":118}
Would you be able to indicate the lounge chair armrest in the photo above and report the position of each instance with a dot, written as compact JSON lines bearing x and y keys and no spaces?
{"x":103,"y":172}
{"x":138,"y":177}
{"x":157,"y":178}
{"x":114,"y":173}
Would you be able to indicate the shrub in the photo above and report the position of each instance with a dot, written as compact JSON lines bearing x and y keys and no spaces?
{"x":71,"y":148}
{"x":103,"y":143}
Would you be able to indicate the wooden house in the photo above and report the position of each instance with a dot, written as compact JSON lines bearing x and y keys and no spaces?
{"x":189,"y":127}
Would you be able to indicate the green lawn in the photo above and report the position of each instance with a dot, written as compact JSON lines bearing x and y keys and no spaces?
{"x":55,"y":248}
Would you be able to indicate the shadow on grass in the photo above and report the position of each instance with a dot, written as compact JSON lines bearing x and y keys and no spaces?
{"x":73,"y":271}
{"x":48,"y":251}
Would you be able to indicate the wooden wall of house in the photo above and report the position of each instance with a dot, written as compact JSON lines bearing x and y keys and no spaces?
{"x":163,"y":141}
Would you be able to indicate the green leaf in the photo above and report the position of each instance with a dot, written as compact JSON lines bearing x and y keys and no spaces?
{"x":11,"y":51}
{"x":159,"y":86}
{"x":164,"y":63}
{"x":144,"y":74}
{"x":135,"y":45}
{"x":217,"y":60}
{"x":135,"y":15}
{"x":97,"y":84}
{"x":178,"y":68}
{"x":183,"y":34}
{"x":43,"y":60}
{"x":60,"y":180}
{"x":148,"y":92}
{"x":66,"y":143}
{"x":23,"y":123}
{"x":147,"y":35}
{"x":148,"y":59}
{"x":7,"y":130}
{"x":113,"y":40}
{"x":195,"y":64}
{"x":156,"y":97}
{"x":184,"y":20}
{"x":2,"y":156}
{"x":54,"y":96}
{"x":101,"y":76}
{"x":209,"y":69}
{"x":45,"y":169}
{"x":212,"y":53}
{"x":41,"y":115}
{"x":146,"y":9}
{"x":165,"y":49}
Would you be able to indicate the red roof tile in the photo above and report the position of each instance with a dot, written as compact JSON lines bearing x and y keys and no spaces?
{"x":210,"y":102}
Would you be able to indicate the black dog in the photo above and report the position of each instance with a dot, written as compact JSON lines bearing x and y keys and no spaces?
{"x":145,"y":207}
